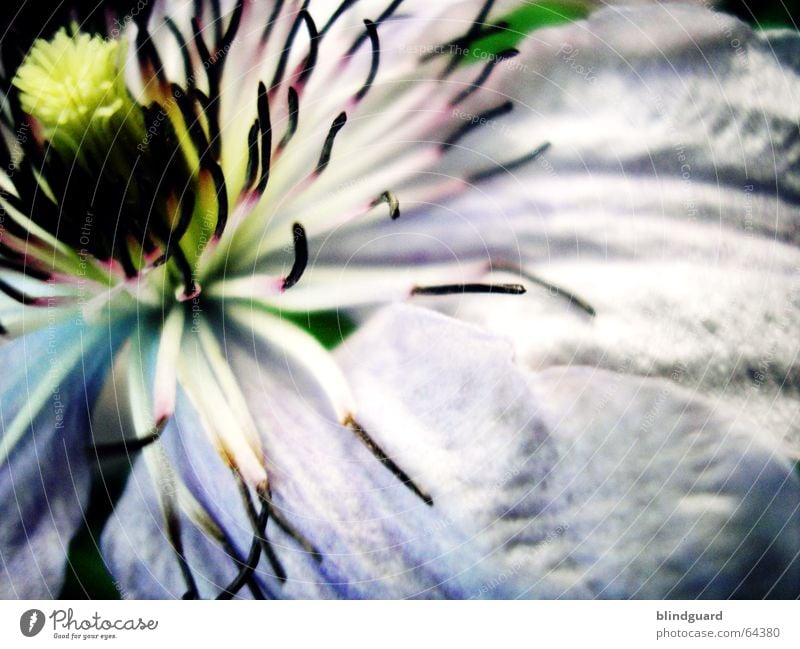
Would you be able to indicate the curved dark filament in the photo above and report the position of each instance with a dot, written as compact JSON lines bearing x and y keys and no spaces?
{"x":391,"y":200}
{"x":280,"y":70}
{"x":20,"y":296}
{"x":221,"y":192}
{"x":459,"y":47}
{"x":507,"y":166}
{"x":477,"y":121}
{"x":300,"y":257}
{"x":372,"y":31}
{"x":24,"y":268}
{"x":342,"y":8}
{"x":214,"y":64}
{"x":233,"y":27}
{"x":216,"y":19}
{"x":187,"y":105}
{"x":273,"y":17}
{"x":476,"y":31}
{"x":147,"y":53}
{"x":313,"y":48}
{"x":176,"y":542}
{"x":185,"y":219}
{"x":327,"y":148}
{"x":573,"y":299}
{"x":184,"y":50}
{"x":294,"y":115}
{"x":248,"y":567}
{"x":387,"y":13}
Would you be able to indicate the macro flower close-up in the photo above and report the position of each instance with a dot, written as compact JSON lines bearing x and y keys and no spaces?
{"x":379,"y":299}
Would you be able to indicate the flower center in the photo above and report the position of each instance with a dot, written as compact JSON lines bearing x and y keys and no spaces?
{"x":73,"y":87}
{"x":98,"y":152}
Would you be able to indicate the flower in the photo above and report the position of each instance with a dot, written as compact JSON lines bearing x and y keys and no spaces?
{"x":183,"y":189}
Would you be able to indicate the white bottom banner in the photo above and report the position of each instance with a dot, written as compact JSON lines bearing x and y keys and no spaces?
{"x":387,"y":625}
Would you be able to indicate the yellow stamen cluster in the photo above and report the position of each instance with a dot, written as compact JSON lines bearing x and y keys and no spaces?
{"x":74,"y":87}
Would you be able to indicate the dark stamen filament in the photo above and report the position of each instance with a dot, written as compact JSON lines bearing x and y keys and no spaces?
{"x":233,"y":27}
{"x":390,"y":199}
{"x":300,"y":257}
{"x":185,"y":220}
{"x":281,"y":521}
{"x":185,"y":268}
{"x":147,"y":52}
{"x":213,"y":68}
{"x":273,"y":17}
{"x":247,"y":570}
{"x":174,"y":534}
{"x":344,"y":6}
{"x":23,"y":267}
{"x":372,"y":30}
{"x":221,"y":192}
{"x":19,"y":296}
{"x":384,"y":16}
{"x":311,"y":59}
{"x":484,"y":75}
{"x":128,"y":446}
{"x":478,"y":120}
{"x":384,"y":459}
{"x":287,"y":48}
{"x":508,"y":166}
{"x":266,"y":137}
{"x":184,"y":50}
{"x":260,"y":534}
{"x":294,"y":114}
{"x":252,"y":155}
{"x":187,"y":105}
{"x":327,"y":148}
{"x":555,"y":290}
{"x":452,"y":289}
{"x":216,"y":19}
{"x":476,"y":30}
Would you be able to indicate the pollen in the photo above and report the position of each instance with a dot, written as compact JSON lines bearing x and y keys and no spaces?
{"x":73,"y":86}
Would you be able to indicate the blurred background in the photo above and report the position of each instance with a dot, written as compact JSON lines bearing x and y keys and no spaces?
{"x":21,"y":22}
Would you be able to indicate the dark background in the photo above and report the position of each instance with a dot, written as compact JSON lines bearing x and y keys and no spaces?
{"x":24,"y":20}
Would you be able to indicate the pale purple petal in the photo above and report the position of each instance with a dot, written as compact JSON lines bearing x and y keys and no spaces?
{"x":50,"y":382}
{"x":569,"y":483}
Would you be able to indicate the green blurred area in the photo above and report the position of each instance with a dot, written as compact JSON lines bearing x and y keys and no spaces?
{"x":523,"y":21}
{"x":87,"y":577}
{"x":532,"y":16}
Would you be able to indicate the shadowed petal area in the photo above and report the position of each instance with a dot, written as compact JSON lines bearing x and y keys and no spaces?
{"x":138,"y":550}
{"x":667,"y":496}
{"x":568,"y":483}
{"x":48,"y":385}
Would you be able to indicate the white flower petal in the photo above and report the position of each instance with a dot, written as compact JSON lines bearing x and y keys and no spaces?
{"x":668,"y":200}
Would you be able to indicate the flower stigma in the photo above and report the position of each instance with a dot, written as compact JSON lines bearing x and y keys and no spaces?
{"x":92,"y":133}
